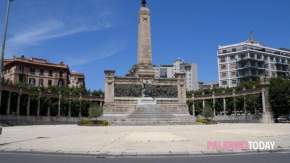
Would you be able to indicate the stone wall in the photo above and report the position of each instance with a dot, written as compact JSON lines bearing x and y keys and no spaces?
{"x":14,"y":120}
{"x":239,"y":118}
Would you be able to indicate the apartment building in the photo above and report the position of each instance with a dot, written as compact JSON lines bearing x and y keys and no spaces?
{"x":77,"y":79}
{"x":211,"y":85}
{"x":37,"y":72}
{"x":168,"y":71}
{"x":248,"y":60}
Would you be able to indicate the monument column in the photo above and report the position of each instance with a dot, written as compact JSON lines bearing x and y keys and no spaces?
{"x":144,"y":63}
{"x":109,"y":86}
{"x":181,"y":87}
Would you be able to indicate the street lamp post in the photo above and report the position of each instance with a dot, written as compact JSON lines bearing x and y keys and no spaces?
{"x":4,"y":39}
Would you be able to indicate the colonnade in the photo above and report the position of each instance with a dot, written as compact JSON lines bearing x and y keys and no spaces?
{"x":39,"y":93}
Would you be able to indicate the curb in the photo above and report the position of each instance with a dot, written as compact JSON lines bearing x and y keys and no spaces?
{"x":136,"y":154}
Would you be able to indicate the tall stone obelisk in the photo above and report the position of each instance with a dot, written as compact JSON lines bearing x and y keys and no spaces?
{"x":144,"y":64}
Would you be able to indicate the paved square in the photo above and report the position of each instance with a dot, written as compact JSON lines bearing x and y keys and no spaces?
{"x":143,"y":139}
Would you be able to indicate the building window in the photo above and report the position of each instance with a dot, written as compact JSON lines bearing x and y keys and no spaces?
{"x":233,"y":58}
{"x":32,"y":70}
{"x":234,"y":74}
{"x":233,"y":65}
{"x":32,"y":81}
{"x":224,"y":83}
{"x":234,"y":81}
{"x":49,"y":82}
{"x":224,"y":51}
{"x":223,"y":59}
{"x":49,"y":72}
{"x":234,"y":49}
{"x":223,"y":67}
{"x":8,"y":71}
{"x":273,"y":74}
{"x":273,"y":67}
{"x":60,"y":74}
{"x":60,"y":83}
{"x":41,"y":71}
{"x":40,"y":82}
{"x":224,"y":75}
{"x":21,"y":69}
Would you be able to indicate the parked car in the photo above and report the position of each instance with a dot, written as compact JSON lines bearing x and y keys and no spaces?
{"x":288,"y":118}
{"x":282,"y":119}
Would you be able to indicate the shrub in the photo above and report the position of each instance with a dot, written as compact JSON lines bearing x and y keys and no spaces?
{"x":87,"y":122}
{"x":95,"y":111}
{"x":201,"y":120}
{"x":105,"y":123}
{"x":207,"y":112}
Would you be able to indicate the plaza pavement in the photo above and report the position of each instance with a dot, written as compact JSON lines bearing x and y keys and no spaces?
{"x":116,"y":140}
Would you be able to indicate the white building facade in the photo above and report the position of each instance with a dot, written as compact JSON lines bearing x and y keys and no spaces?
{"x":168,"y":71}
{"x":248,"y":60}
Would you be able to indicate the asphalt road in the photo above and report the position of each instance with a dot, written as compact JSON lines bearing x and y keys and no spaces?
{"x":252,"y":158}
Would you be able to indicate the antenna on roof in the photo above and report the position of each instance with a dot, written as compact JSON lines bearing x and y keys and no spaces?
{"x":251,"y":34}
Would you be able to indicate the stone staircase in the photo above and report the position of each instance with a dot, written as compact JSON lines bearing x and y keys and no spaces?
{"x":151,"y":114}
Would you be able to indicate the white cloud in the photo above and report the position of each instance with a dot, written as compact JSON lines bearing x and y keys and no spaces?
{"x":109,"y":50}
{"x":48,"y":29}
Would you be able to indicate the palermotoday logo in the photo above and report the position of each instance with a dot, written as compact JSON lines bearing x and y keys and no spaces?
{"x":240,"y":145}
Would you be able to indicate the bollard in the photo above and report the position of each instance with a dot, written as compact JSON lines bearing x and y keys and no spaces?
{"x":0,"y":130}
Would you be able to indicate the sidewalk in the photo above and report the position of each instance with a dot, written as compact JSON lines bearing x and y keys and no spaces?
{"x":138,"y":140}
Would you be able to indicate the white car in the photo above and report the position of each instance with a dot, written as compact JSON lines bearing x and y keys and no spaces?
{"x":282,"y":119}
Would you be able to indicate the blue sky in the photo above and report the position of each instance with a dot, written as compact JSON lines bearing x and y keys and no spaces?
{"x":96,"y":35}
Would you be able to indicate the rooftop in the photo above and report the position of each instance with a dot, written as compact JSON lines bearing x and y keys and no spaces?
{"x":34,"y":61}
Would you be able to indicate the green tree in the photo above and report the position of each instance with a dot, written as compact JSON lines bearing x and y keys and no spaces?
{"x":208,"y":112}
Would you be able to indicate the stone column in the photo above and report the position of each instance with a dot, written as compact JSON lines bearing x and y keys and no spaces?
{"x":91,"y":103}
{"x":48,"y":110}
{"x":38,"y":104}
{"x":18,"y":103}
{"x":144,"y":62}
{"x":234,"y":96}
{"x":193,"y":107}
{"x":263,"y":101}
{"x":213,"y":103}
{"x":69,"y":106}
{"x":225,"y":105}
{"x":80,"y":111}
{"x":267,"y":116}
{"x":8,"y":104}
{"x":28,"y":106}
{"x":203,"y":103}
{"x":245,"y":105}
{"x":109,"y":87}
{"x":59,"y":103}
{"x":181,"y":81}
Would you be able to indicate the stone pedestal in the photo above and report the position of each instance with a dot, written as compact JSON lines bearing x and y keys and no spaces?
{"x":147,"y":101}
{"x":267,"y":117}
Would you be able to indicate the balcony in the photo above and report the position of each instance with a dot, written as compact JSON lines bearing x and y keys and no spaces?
{"x":17,"y":71}
{"x":250,"y":67}
{"x":283,"y":64}
{"x":248,"y":75}
{"x":281,"y":70}
{"x":250,"y":59}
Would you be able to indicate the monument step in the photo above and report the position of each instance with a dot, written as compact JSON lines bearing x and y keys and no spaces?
{"x":140,"y":116}
{"x":162,"y":123}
